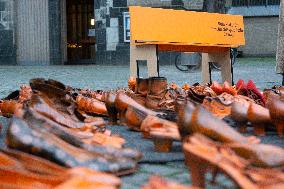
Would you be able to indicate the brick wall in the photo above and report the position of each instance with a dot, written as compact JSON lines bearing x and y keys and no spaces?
{"x":261,"y":36}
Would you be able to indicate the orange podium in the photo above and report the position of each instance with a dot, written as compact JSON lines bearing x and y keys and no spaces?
{"x":155,"y":29}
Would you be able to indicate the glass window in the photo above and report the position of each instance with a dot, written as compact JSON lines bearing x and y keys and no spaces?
{"x":2,"y":6}
{"x":239,"y":3}
{"x":6,"y":30}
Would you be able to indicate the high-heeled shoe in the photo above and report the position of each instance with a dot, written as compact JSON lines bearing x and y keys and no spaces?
{"x":276,"y":110}
{"x":9,"y":107}
{"x":203,"y":155}
{"x":51,"y":88}
{"x":25,"y":93}
{"x":43,"y":105}
{"x":239,"y":112}
{"x":132,"y":113}
{"x":198,"y":120}
{"x":15,"y":164}
{"x":91,"y":105}
{"x":46,"y":175}
{"x":198,"y":92}
{"x":250,"y":90}
{"x":161,"y":131}
{"x":259,"y":117}
{"x":41,"y":142}
{"x":111,"y":109}
{"x":121,"y":103}
{"x":134,"y":118}
{"x":76,"y":138}
{"x":219,"y":106}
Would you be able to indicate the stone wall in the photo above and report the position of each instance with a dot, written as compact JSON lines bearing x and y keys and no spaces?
{"x":184,"y":4}
{"x":110,"y":45}
{"x":261,"y":36}
{"x":7,"y":41}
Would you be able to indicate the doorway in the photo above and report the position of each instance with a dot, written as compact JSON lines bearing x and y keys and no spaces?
{"x":80,"y":32}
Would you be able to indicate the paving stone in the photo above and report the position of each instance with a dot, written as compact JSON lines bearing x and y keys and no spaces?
{"x":160,"y":169}
{"x":177,"y":164}
{"x":135,"y":180}
{"x":221,"y":181}
{"x":183,"y":177}
{"x":262,"y":71}
{"x":129,"y":186}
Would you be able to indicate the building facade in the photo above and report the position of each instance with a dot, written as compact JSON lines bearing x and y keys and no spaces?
{"x":32,"y":32}
{"x":261,"y":18}
{"x":7,"y":39}
{"x":52,"y":32}
{"x":112,"y":27}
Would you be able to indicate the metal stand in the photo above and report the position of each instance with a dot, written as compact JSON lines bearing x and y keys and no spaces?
{"x":158,"y":60}
{"x":210,"y":71}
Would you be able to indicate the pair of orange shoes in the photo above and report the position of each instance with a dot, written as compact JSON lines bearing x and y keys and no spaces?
{"x":23,"y":171}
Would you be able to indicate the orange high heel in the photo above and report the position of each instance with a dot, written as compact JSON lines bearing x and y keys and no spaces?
{"x":259,"y":117}
{"x":162,"y":132}
{"x":91,"y":105}
{"x":276,"y":110}
{"x":202,"y":155}
{"x":239,"y":114}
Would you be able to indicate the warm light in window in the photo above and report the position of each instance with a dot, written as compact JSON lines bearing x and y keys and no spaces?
{"x":92,"y":22}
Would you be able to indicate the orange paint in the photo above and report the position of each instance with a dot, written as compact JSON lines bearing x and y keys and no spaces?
{"x":178,"y":27}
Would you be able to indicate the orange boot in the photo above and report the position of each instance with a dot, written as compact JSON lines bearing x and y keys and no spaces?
{"x":157,"y":89}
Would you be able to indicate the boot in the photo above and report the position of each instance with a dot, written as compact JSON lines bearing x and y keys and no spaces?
{"x":156,"y":92}
{"x":141,"y":90}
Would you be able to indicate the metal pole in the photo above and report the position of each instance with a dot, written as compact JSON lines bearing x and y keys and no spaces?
{"x":137,"y":62}
{"x":232,"y":69}
{"x":158,"y":60}
{"x":210,"y":71}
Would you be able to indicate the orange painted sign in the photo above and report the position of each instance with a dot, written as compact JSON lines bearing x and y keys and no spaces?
{"x":177,"y":27}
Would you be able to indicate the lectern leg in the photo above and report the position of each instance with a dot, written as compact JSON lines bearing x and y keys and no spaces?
{"x":205,"y":72}
{"x":145,"y":52}
{"x":226,"y":69}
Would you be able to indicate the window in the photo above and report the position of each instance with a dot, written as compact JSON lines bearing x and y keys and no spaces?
{"x":273,"y":2}
{"x":239,"y":3}
{"x":2,"y":6}
{"x":126,"y":23}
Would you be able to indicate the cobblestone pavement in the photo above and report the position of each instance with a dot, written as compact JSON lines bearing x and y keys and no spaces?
{"x":261,"y":70}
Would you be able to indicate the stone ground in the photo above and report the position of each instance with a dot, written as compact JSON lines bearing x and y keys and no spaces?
{"x":261,"y":70}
